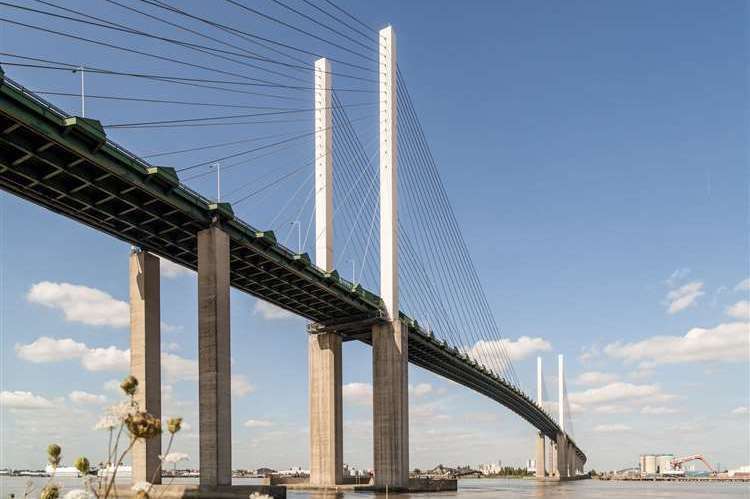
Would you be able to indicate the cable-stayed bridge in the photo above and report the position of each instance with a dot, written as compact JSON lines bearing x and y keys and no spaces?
{"x":401,"y":237}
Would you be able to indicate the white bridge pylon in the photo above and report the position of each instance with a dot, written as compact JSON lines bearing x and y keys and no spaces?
{"x":563,"y":460}
{"x":390,"y":356}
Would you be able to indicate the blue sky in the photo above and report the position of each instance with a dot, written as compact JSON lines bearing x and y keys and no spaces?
{"x":596,"y":157}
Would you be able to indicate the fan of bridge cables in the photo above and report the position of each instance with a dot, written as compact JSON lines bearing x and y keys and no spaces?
{"x":223,"y":92}
{"x":551,"y":406}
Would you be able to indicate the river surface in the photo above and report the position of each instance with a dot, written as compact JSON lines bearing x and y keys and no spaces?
{"x":488,"y":489}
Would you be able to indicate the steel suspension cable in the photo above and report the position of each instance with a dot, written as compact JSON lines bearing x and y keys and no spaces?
{"x":497,"y":343}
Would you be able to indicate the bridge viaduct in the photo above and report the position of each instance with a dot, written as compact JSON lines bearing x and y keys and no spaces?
{"x":67,"y":165}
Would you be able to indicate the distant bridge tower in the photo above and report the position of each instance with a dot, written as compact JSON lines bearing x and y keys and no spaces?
{"x":540,"y":441}
{"x":562,"y":440}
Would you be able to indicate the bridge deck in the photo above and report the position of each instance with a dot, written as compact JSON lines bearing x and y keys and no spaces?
{"x":67,"y":165}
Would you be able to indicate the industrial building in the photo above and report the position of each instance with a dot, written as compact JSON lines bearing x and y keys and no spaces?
{"x":656,"y":464}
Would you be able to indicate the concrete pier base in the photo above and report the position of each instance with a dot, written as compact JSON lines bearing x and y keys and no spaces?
{"x":326,"y":420}
{"x":540,"y":445}
{"x":214,"y":371}
{"x":390,"y":372}
{"x":554,"y":469}
{"x":415,"y":485}
{"x":176,"y":491}
{"x":562,"y":456}
{"x":145,"y":357}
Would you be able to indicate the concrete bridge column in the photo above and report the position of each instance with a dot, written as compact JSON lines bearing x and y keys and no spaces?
{"x":540,"y":444}
{"x":562,"y":455}
{"x":326,"y":418}
{"x":554,"y":468}
{"x":145,"y":356}
{"x":389,"y":340}
{"x":571,"y":460}
{"x":391,"y":405}
{"x":324,"y":350}
{"x":214,"y":370}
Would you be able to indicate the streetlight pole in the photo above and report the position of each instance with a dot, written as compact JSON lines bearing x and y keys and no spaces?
{"x":299,"y":236}
{"x":218,"y":181}
{"x":80,"y":69}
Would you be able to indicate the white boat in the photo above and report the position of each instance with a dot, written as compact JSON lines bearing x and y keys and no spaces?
{"x":122,"y":471}
{"x":62,"y":471}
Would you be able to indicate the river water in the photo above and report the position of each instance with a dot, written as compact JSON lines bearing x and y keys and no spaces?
{"x":491,"y":489}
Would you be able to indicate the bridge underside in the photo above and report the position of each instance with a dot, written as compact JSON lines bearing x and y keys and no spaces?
{"x":67,"y":165}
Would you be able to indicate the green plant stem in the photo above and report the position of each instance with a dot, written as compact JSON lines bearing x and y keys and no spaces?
{"x":114,"y":471}
{"x":169,"y":447}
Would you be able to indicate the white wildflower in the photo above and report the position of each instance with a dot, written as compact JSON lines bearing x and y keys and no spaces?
{"x":107,"y":422}
{"x":141,"y":487}
{"x":123,"y":410}
{"x":79,"y":494}
{"x":174,"y":457}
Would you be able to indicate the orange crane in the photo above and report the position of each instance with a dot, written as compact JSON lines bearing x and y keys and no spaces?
{"x":679,"y":461}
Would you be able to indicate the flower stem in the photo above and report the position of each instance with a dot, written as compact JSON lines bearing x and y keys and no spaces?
{"x":114,"y":471}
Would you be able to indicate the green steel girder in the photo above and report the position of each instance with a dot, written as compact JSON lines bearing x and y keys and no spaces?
{"x":67,"y":165}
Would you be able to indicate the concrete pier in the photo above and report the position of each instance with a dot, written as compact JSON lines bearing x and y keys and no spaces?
{"x":554,"y":468}
{"x":562,"y":456}
{"x":391,"y":405}
{"x":540,"y":444}
{"x":326,"y":418}
{"x":145,"y":356}
{"x":214,"y":371}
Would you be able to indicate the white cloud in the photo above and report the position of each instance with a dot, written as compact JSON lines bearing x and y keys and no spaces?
{"x":241,"y":386}
{"x":178,"y":368}
{"x":271,"y":312}
{"x":658,"y":410}
{"x":611,"y":428}
{"x":595,"y":378}
{"x":172,"y":346}
{"x":112,"y":385}
{"x":677,"y":276}
{"x":685,"y":296}
{"x":743,"y":285}
{"x":257,"y":423}
{"x":81,"y":303}
{"x":47,"y":349}
{"x":172,"y":270}
{"x":106,"y":359}
{"x":589,"y":353}
{"x":517,"y":350}
{"x":421,"y":389}
{"x":80,"y":397}
{"x":613,"y":409}
{"x":23,"y":401}
{"x":619,"y":393}
{"x":641,"y":373}
{"x":725,"y":342}
{"x":111,"y":358}
{"x":169,"y":328}
{"x":740,"y":310}
{"x":741,"y":411}
{"x":358,"y":393}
